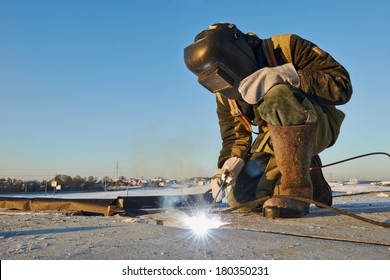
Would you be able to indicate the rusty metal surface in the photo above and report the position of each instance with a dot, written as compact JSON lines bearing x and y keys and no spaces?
{"x":106,"y":207}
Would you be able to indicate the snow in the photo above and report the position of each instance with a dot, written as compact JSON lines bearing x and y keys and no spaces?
{"x":59,"y":235}
{"x":357,"y":188}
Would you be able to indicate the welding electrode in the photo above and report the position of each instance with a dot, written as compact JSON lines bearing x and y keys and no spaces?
{"x":226,"y":178}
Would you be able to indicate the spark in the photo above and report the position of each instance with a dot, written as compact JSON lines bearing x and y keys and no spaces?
{"x":201,"y":223}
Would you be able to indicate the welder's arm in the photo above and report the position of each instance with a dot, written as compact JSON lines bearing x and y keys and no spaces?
{"x":321,"y":76}
{"x":236,"y":139}
{"x":255,"y":86}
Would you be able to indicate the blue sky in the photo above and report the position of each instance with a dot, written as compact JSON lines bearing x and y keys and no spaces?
{"x":87,"y":84}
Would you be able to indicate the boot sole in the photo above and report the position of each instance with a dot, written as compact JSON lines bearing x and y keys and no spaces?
{"x":278,"y":213}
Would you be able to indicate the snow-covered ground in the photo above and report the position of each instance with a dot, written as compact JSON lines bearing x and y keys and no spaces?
{"x":59,"y":235}
{"x":358,"y":188}
{"x":340,"y":190}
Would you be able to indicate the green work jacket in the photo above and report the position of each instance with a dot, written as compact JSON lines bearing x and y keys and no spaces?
{"x":325,"y":82}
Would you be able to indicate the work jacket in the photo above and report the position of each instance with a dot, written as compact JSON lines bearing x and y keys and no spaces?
{"x":325,"y":82}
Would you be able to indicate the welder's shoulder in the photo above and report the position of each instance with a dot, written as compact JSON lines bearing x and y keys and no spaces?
{"x":288,"y":40}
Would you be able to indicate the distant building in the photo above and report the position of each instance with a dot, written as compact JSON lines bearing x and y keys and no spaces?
{"x":353,"y":181}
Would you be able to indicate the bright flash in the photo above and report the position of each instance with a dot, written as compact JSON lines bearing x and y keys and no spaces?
{"x":200,"y":224}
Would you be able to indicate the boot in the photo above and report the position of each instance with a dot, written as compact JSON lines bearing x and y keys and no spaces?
{"x":293,"y":147}
{"x":321,"y":189}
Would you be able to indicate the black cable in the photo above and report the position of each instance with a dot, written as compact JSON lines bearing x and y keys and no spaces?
{"x":259,"y":202}
{"x":348,"y":159}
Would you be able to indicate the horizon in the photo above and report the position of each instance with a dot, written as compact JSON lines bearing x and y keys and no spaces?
{"x":328,"y":176}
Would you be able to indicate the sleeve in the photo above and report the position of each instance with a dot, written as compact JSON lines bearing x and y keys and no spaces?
{"x":321,"y":76}
{"x":236,"y":140}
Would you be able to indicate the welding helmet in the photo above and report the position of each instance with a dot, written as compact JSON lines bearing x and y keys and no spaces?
{"x":221,"y":57}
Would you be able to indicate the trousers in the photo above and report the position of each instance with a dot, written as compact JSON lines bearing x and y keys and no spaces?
{"x":283,"y":105}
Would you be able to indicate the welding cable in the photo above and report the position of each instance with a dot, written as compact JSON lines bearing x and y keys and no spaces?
{"x":342,"y":212}
{"x":348,"y":159}
{"x":216,"y":197}
{"x":263,"y":199}
{"x":260,"y":201}
{"x":257,"y":205}
{"x":330,"y":238}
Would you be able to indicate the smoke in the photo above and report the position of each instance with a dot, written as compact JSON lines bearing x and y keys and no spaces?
{"x":162,"y":152}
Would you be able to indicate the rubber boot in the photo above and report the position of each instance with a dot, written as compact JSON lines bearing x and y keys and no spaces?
{"x":293,"y":148}
{"x":321,"y":189}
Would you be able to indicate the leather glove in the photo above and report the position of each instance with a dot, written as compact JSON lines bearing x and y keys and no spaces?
{"x":231,"y":168}
{"x":255,"y":86}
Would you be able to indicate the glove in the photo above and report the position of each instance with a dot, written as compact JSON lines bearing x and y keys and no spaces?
{"x":231,"y":168}
{"x":255,"y":86}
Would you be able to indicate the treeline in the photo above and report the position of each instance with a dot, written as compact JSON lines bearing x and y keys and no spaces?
{"x":66,"y":183}
{"x":91,"y":183}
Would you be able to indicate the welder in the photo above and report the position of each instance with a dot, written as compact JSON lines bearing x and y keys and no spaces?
{"x":284,"y":90}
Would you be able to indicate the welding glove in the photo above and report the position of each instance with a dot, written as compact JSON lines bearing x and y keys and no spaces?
{"x":255,"y":86}
{"x":228,"y":174}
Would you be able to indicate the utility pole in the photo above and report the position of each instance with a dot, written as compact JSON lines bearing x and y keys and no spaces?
{"x":117,"y":173}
